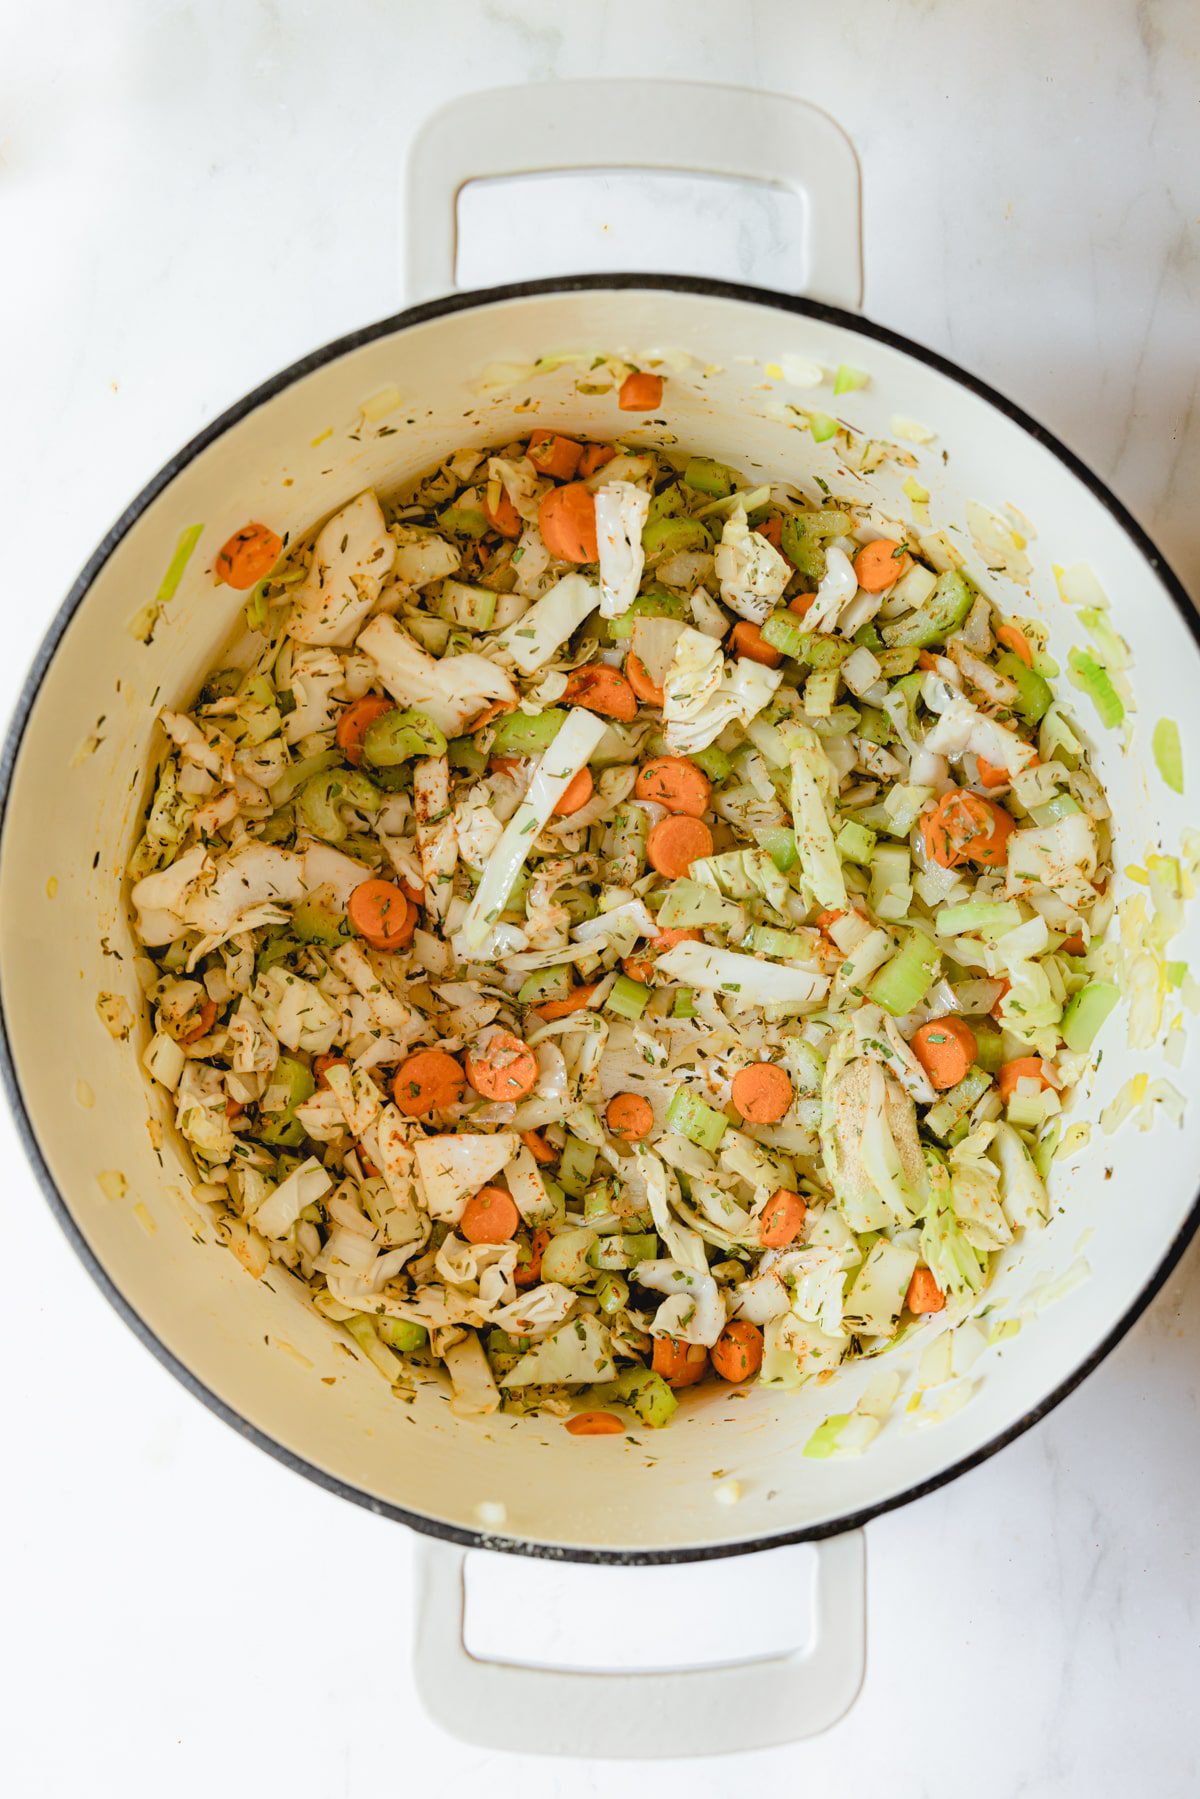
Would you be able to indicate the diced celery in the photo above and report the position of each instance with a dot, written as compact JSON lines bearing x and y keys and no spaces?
{"x":656,"y":604}
{"x":399,"y":1334}
{"x":784,"y":632}
{"x":712,"y":478}
{"x":565,"y":1257}
{"x":780,"y":844}
{"x":823,"y":651}
{"x":942,"y":1117}
{"x":867,"y":638}
{"x":396,"y":737}
{"x":855,"y":842}
{"x":1033,"y":694}
{"x":692,"y":905}
{"x":525,"y":734}
{"x":981,"y":918}
{"x":473,"y":608}
{"x":805,"y":535}
{"x":466,"y":755}
{"x":903,"y":982}
{"x":599,"y":1206}
{"x":989,"y":1046}
{"x":575,"y":1166}
{"x":768,"y":940}
{"x":666,"y":504}
{"x":628,"y":998}
{"x":669,"y":536}
{"x":688,"y":1116}
{"x":1168,"y":753}
{"x":824,"y":1440}
{"x":619,"y":1253}
{"x":285,"y":1129}
{"x":1093,"y":679}
{"x":1061,"y":806}
{"x":463,"y":521}
{"x":684,"y":1005}
{"x":899,"y":661}
{"x":612,"y":1294}
{"x":820,"y":691}
{"x":545,"y":984}
{"x":822,"y":425}
{"x":714,"y":762}
{"x":874,"y":725}
{"x":942,"y":613}
{"x":1086,"y":1012}
{"x":312,"y":923}
{"x":645,"y":1393}
{"x":846,"y":378}
{"x":320,"y":801}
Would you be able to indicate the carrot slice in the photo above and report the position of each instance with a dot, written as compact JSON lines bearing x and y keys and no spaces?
{"x":638,"y":676}
{"x":782,"y":1219}
{"x":595,"y":1424}
{"x":675,"y":843}
{"x":762,"y":1092}
{"x":489,"y":715}
{"x":353,"y":722}
{"x":594,"y":457}
{"x":963,"y":827}
{"x":772,"y":529}
{"x":248,"y":556}
{"x":491,"y":1217}
{"x":924,"y":1294}
{"x":382,"y":915}
{"x":829,"y":916}
{"x":738,"y":1352}
{"x":747,"y":640}
{"x":538,"y":1148}
{"x":527,"y":1274}
{"x":990,"y":775}
{"x":567,"y":520}
{"x":505,"y":519}
{"x":429,"y":1081}
{"x":676,"y":783}
{"x":576,"y":794}
{"x":801,"y":604}
{"x":945,"y":1048}
{"x":322,"y":1065}
{"x":680,"y":1364}
{"x":206,"y":1017}
{"x":576,"y":1001}
{"x":502,"y":1068}
{"x":553,"y":455}
{"x":1024,"y":1068}
{"x":630,"y":1116}
{"x":1014,"y":639}
{"x":640,"y":392}
{"x":598,"y":688}
{"x":1073,"y":946}
{"x":881,"y":563}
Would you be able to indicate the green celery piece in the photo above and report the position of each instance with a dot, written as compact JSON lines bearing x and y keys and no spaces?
{"x":942,"y":613}
{"x":989,"y":1047}
{"x":1086,"y":1012}
{"x":1168,"y":753}
{"x":824,"y":652}
{"x":621,"y":1252}
{"x":786,"y":946}
{"x":463,"y":521}
{"x":785,"y":633}
{"x":874,"y":725}
{"x":824,"y":1440}
{"x":466,"y":755}
{"x":1093,"y":679}
{"x":954,"y":1105}
{"x":399,"y":1334}
{"x":868,"y":638}
{"x":285,"y":1129}
{"x":977,"y":917}
{"x":899,"y":661}
{"x":612,"y":1294}
{"x":657,"y":603}
{"x":313,"y":923}
{"x":544,"y":984}
{"x":628,"y":998}
{"x":688,"y":1116}
{"x":684,"y":1005}
{"x":396,"y":737}
{"x":903,"y":982}
{"x":1033,"y":694}
{"x":846,"y":378}
{"x":525,"y":734}
{"x":667,"y":504}
{"x":855,"y":842}
{"x":804,"y":536}
{"x":820,"y":691}
{"x":575,"y":1166}
{"x":646,"y":1394}
{"x":708,"y":477}
{"x":696,"y":906}
{"x":822,"y":425}
{"x":459,"y":603}
{"x":320,"y":800}
{"x":669,"y":536}
{"x":625,"y":844}
{"x":713,"y":762}
{"x":780,"y":844}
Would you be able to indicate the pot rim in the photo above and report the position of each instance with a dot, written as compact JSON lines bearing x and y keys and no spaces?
{"x":480,"y":298}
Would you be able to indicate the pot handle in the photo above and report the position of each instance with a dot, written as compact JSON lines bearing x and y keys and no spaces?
{"x":640,"y":1716}
{"x":680,"y":126}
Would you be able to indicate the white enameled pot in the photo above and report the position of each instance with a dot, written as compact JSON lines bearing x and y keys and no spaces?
{"x":289,"y":454}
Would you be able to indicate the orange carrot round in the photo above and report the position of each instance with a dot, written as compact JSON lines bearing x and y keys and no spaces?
{"x":772,"y":529}
{"x":527,"y":1274}
{"x":762,"y":1092}
{"x":945,"y":1048}
{"x":676,"y":842}
{"x":595,"y":1424}
{"x":505,"y":518}
{"x":248,"y":556}
{"x":782,"y":1219}
{"x":553,"y":455}
{"x":1014,"y":639}
{"x":629,"y":1116}
{"x":640,"y":392}
{"x":538,"y":1148}
{"x":738,"y":1352}
{"x":1024,"y":1068}
{"x":638,"y":676}
{"x":322,"y":1065}
{"x":924,"y":1294}
{"x":431,"y":1080}
{"x":353,"y":722}
{"x":594,"y":457}
{"x":382,"y":916}
{"x":881,"y":563}
{"x":575,"y":795}
{"x":567,"y":519}
{"x":641,"y":967}
{"x":801,"y":604}
{"x":990,"y":774}
{"x":491,"y":1217}
{"x":747,"y":640}
{"x":676,"y":783}
{"x":680,"y":1364}
{"x":963,"y":827}
{"x":502,"y":1067}
{"x":205,"y":1017}
{"x":577,"y":1000}
{"x":598,"y":688}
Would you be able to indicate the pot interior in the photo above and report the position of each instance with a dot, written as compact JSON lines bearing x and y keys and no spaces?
{"x":291,"y":455}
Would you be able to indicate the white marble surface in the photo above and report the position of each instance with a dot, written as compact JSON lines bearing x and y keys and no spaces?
{"x":192,"y":195}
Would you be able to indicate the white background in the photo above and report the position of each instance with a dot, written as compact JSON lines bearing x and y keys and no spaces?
{"x":191,"y":196}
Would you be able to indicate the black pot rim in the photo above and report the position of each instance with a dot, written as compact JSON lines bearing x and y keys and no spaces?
{"x":415,"y":315}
